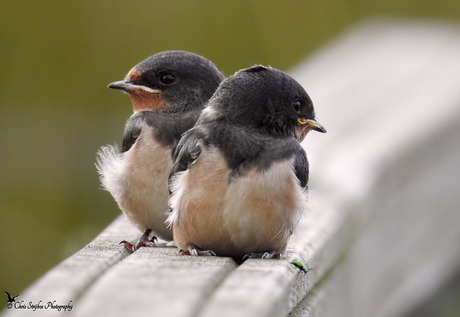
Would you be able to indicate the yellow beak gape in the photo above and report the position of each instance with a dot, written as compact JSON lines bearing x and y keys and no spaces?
{"x":302,"y":121}
{"x":312,"y":124}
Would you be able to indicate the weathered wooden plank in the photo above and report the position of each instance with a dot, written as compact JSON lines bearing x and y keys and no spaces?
{"x":155,"y":282}
{"x":328,"y":298}
{"x":409,"y":246}
{"x":66,"y":282}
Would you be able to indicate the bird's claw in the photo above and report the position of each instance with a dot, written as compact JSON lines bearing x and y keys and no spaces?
{"x":128,"y":246}
{"x":143,"y":242}
{"x":195,"y":251}
{"x":263,"y":255}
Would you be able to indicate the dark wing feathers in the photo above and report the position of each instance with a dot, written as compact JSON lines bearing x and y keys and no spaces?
{"x":285,"y":149}
{"x":301,"y":167}
{"x":133,"y":129}
{"x":242,"y":149}
{"x":187,"y":151}
{"x":245,"y":152}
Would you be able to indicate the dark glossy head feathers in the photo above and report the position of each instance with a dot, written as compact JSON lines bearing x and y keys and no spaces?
{"x":264,"y":99}
{"x":171,"y":81}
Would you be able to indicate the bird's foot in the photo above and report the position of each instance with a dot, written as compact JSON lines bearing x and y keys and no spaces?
{"x":144,"y":241}
{"x":263,"y":255}
{"x":193,"y":250}
{"x":128,"y":246}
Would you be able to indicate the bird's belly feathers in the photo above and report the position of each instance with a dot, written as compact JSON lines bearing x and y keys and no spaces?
{"x":137,"y":179}
{"x":253,"y":212}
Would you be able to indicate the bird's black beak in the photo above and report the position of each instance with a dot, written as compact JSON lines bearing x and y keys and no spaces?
{"x":130,"y":87}
{"x":312,"y":124}
{"x":121,"y":84}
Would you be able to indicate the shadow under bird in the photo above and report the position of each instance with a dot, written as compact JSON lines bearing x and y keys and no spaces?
{"x":168,"y":91}
{"x":240,"y":176}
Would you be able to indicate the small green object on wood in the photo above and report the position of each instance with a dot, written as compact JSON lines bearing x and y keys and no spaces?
{"x":300,"y":265}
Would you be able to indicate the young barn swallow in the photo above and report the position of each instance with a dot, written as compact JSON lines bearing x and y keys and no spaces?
{"x":168,"y":91}
{"x":240,"y":176}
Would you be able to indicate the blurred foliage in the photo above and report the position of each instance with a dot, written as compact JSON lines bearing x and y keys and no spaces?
{"x":56,"y":58}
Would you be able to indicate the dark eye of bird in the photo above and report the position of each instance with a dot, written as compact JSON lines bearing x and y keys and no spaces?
{"x":296,"y":105}
{"x":167,"y":79}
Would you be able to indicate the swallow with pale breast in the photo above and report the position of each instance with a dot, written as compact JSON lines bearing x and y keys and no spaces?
{"x":239,"y":179}
{"x":168,"y":91}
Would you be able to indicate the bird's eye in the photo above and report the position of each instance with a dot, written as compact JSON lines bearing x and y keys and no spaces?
{"x":167,"y":79}
{"x":296,"y":105}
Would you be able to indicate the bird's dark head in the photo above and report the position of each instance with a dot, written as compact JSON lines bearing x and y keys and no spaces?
{"x":170,"y":81}
{"x":266,"y":99}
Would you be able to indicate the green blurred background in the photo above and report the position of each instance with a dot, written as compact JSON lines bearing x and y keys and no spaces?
{"x":56,"y":58}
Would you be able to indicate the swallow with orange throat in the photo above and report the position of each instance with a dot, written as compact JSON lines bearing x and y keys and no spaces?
{"x":168,"y":91}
